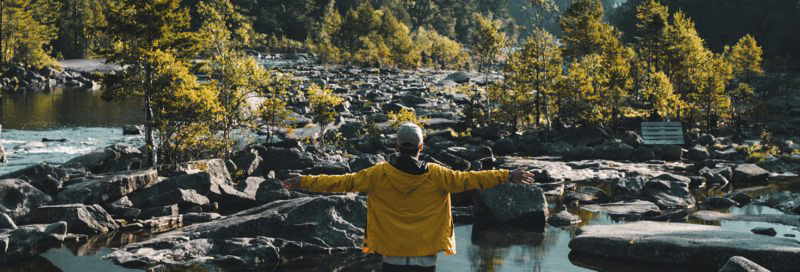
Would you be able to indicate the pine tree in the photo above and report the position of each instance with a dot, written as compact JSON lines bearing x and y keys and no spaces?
{"x":658,"y":93}
{"x":652,"y":28}
{"x":26,"y":29}
{"x":487,"y":42}
{"x":534,"y":72}
{"x":139,"y":29}
{"x":321,"y":42}
{"x":585,"y":32}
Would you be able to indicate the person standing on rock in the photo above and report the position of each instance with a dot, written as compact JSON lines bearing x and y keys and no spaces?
{"x":409,"y":219}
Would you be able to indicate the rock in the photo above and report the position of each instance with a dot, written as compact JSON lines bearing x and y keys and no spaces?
{"x":472,"y":152}
{"x":45,"y":177}
{"x":698,"y":246}
{"x":3,"y":157}
{"x":672,"y":152}
{"x":698,"y":153}
{"x":114,"y":158}
{"x":271,"y":190}
{"x":517,"y":203}
{"x":563,"y":218}
{"x":628,"y":188}
{"x":168,"y":210}
{"x":453,"y":161}
{"x":107,"y":187}
{"x":215,"y":168}
{"x":764,"y":231}
{"x":713,"y":178}
{"x":365,"y":161}
{"x":614,"y":150}
{"x":488,"y":132}
{"x":132,"y":130}
{"x":249,"y":163}
{"x":707,"y":139}
{"x":195,"y":218}
{"x":249,"y":186}
{"x":720,"y":202}
{"x":504,"y":146}
{"x":30,"y":240}
{"x":458,"y":77}
{"x":669,"y":194}
{"x":18,"y":198}
{"x":741,"y":264}
{"x":216,"y":186}
{"x":673,"y":178}
{"x":80,"y":218}
{"x":632,"y":139}
{"x":6,"y":222}
{"x":726,"y":154}
{"x":285,"y":159}
{"x":783,"y":219}
{"x":741,"y":198}
{"x":587,"y":195}
{"x":749,"y":174}
{"x":328,"y":168}
{"x":184,"y":198}
{"x":263,"y":236}
{"x":631,"y":210}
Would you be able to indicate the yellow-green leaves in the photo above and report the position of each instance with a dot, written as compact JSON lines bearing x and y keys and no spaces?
{"x":746,"y":58}
{"x":27,"y":29}
{"x":322,"y":103}
{"x":405,"y":116}
{"x":439,"y":51}
{"x":487,"y":40}
{"x":658,"y":92}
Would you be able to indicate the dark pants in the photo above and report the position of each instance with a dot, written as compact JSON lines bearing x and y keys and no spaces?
{"x":407,"y":268}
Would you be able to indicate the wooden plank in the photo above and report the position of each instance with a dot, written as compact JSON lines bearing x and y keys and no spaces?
{"x":656,"y":133}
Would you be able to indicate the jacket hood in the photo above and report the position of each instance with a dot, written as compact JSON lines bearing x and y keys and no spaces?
{"x":402,"y":181}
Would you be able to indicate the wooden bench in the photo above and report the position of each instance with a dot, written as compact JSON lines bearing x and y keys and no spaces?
{"x":662,"y":133}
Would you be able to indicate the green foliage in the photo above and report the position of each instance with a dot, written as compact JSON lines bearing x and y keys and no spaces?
{"x":487,"y":41}
{"x":322,"y":103}
{"x":26,"y":29}
{"x":532,"y":74}
{"x":439,"y":51}
{"x":80,"y":28}
{"x":321,"y":41}
{"x":585,"y":32}
{"x":406,"y":116}
{"x":659,"y":93}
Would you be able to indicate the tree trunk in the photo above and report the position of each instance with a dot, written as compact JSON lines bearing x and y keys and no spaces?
{"x":2,"y":52}
{"x":150,"y":149}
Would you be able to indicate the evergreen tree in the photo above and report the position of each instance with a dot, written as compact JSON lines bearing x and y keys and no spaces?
{"x":322,"y":103}
{"x":139,"y":29}
{"x":658,"y":93}
{"x":26,"y":29}
{"x":321,"y":43}
{"x":80,"y":28}
{"x":534,"y":72}
{"x":439,"y":51}
{"x":585,"y":32}
{"x":487,"y":42}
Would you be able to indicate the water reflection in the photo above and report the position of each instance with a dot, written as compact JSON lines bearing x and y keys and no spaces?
{"x":66,"y":108}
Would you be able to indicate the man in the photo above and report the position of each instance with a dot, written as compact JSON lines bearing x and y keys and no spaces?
{"x":408,"y":202}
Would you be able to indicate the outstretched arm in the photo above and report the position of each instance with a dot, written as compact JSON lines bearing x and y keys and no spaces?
{"x":459,"y":181}
{"x":353,"y":182}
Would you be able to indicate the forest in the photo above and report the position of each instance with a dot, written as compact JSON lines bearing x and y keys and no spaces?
{"x":560,"y":62}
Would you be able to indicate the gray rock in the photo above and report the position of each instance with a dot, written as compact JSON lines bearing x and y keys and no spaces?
{"x":249,"y":163}
{"x":504,"y":146}
{"x":265,"y":235}
{"x":685,"y":244}
{"x":707,"y":139}
{"x":764,"y":231}
{"x":195,"y":218}
{"x":453,"y":161}
{"x":270,"y":190}
{"x":285,"y":159}
{"x":184,"y":198}
{"x":18,"y":198}
{"x":741,"y":264}
{"x":30,"y":240}
{"x":45,"y":177}
{"x":741,"y":198}
{"x":215,"y":185}
{"x":132,"y":130}
{"x":626,"y":209}
{"x":114,"y":158}
{"x":517,"y":203}
{"x":458,"y":77}
{"x":3,"y":157}
{"x":628,"y":188}
{"x":107,"y":187}
{"x":632,"y":139}
{"x":168,"y":210}
{"x":472,"y":152}
{"x":669,"y":194}
{"x":614,"y":150}
{"x":563,"y":218}
{"x":698,"y":153}
{"x":749,"y":174}
{"x":726,"y":154}
{"x":80,"y":218}
{"x":587,"y":195}
{"x":6,"y":222}
{"x":328,"y":168}
{"x":720,"y":202}
{"x":365,"y":161}
{"x":672,"y":152}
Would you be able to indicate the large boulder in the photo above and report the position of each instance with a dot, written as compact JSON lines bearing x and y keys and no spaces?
{"x":516,"y":203}
{"x":628,"y":188}
{"x":472,"y":152}
{"x":669,"y":194}
{"x":195,"y":188}
{"x":504,"y":146}
{"x":107,"y":187}
{"x":587,"y":195}
{"x":285,"y":159}
{"x":114,"y":158}
{"x":458,"y":77}
{"x":18,"y":198}
{"x":699,"y":246}
{"x":749,"y":174}
{"x":43,"y":176}
{"x":263,"y":236}
{"x":30,"y":240}
{"x":453,"y":161}
{"x":248,"y":163}
{"x":365,"y":161}
{"x":6,"y":222}
{"x":698,"y":153}
{"x":80,"y":218}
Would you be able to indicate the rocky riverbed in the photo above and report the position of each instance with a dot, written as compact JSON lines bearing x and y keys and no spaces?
{"x":685,"y":207}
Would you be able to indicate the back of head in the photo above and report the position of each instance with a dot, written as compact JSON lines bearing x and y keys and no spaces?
{"x":409,"y":139}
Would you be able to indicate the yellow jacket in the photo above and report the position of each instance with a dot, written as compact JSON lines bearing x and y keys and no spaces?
{"x":407,"y":215}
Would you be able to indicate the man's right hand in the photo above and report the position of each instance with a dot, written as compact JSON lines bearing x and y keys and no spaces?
{"x":520,"y":175}
{"x":291,"y":183}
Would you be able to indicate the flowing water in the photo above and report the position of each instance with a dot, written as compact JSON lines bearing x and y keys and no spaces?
{"x":80,"y":121}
